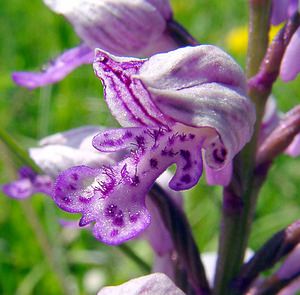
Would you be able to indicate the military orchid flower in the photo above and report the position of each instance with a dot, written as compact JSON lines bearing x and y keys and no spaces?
{"x":175,"y":107}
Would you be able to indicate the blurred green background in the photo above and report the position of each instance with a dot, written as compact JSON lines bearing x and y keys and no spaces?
{"x":30,"y":36}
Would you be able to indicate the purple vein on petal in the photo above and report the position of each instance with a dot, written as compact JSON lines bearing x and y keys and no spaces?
{"x":135,"y":100}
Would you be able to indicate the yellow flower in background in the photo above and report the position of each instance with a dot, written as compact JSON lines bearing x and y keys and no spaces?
{"x":237,"y":39}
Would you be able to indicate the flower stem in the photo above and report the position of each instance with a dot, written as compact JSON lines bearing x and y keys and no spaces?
{"x":18,"y":151}
{"x":240,"y":196}
{"x":57,"y":266}
{"x":132,"y":255}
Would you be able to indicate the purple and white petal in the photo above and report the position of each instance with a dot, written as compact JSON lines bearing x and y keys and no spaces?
{"x":163,"y":6}
{"x":57,"y":69}
{"x":98,"y":195}
{"x":129,"y":28}
{"x":126,"y":96}
{"x":202,"y":87}
{"x":290,"y":65}
{"x":72,"y":148}
{"x":28,"y":184}
{"x":19,"y":189}
{"x":153,"y":284}
{"x":191,"y":66}
{"x":76,"y":138}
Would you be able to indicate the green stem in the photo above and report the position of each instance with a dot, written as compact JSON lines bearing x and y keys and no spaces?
{"x":47,"y":249}
{"x":44,"y":111}
{"x":139,"y":261}
{"x":18,"y":151}
{"x":241,"y":195}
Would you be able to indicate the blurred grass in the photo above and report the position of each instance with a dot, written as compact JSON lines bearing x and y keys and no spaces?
{"x":31,"y":35}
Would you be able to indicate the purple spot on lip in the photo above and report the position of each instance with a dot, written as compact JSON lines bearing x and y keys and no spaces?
{"x":108,"y":142}
{"x":72,"y":187}
{"x":182,"y":137}
{"x":114,"y":233}
{"x":135,"y":180}
{"x":186,"y":155}
{"x":153,"y":163}
{"x":128,"y":134}
{"x":164,"y":152}
{"x":186,"y":178}
{"x":104,"y":59}
{"x":66,"y":199}
{"x":171,"y":139}
{"x":118,"y":219}
{"x":134,"y":217}
{"x":219,"y":156}
{"x":110,"y":210}
{"x":84,"y":200}
{"x":140,"y":140}
{"x":191,"y":136}
{"x":75,"y":176}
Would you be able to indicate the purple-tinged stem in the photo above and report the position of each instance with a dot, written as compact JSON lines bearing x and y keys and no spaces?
{"x":239,"y":197}
{"x":279,"y":245}
{"x":184,"y":243}
{"x":127,"y":251}
{"x":280,"y":138}
{"x":273,"y":285}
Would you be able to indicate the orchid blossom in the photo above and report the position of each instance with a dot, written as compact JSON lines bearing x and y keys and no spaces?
{"x":196,"y":101}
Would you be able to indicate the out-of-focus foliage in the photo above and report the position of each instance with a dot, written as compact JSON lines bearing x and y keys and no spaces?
{"x":31,"y":35}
